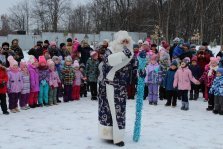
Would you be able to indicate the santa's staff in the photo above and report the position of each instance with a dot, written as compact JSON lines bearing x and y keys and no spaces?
{"x":140,"y":94}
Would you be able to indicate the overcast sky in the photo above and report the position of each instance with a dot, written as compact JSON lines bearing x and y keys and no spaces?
{"x":6,"y":4}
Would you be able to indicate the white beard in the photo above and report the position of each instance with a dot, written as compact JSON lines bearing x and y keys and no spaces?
{"x":117,"y":47}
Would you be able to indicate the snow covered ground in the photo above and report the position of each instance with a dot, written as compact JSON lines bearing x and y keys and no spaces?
{"x":74,"y":126}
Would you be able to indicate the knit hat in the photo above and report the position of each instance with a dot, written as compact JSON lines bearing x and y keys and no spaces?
{"x":5,"y":44}
{"x":55,"y":58}
{"x":135,"y":46}
{"x":194,"y":58}
{"x":39,"y":43}
{"x":146,"y":43}
{"x":176,"y":40}
{"x":93,"y":53}
{"x":214,"y":60}
{"x":62,"y":44}
{"x":75,"y":40}
{"x":12,"y":61}
{"x":174,"y":63}
{"x":47,"y":42}
{"x":32,"y":59}
{"x":50,"y":62}
{"x":220,"y":70}
{"x":69,"y":40}
{"x":186,"y":44}
{"x":53,"y":43}
{"x":76,"y":64}
{"x":42,"y":60}
{"x":153,"y":45}
{"x":140,"y":41}
{"x":186,"y":60}
{"x":82,"y":66}
{"x":68,"y":59}
{"x":23,"y":64}
{"x":192,"y":46}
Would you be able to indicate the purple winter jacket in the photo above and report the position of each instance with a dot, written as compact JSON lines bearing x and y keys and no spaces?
{"x":153,"y":74}
{"x":15,"y":83}
{"x":54,"y":79}
{"x":78,"y":77}
{"x":34,"y":78}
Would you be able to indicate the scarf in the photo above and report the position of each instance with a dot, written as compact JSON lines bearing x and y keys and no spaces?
{"x":211,"y":70}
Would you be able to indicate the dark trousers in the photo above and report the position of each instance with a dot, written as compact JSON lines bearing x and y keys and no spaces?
{"x":13,"y":100}
{"x":131,"y":91}
{"x":67,"y":93}
{"x":218,"y":101}
{"x":3,"y":102}
{"x":146,"y":91}
{"x":93,"y":88}
{"x":23,"y":101}
{"x":194,"y":92}
{"x":210,"y":100}
{"x":162,"y":92}
{"x":83,"y":90}
{"x":59,"y":92}
{"x":171,"y":97}
{"x":183,"y":95}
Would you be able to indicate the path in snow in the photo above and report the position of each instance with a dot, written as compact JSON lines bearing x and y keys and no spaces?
{"x":74,"y":126}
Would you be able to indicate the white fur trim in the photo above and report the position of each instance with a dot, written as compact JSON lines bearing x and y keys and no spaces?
{"x":105,"y":132}
{"x":116,"y":58}
{"x":118,"y":134}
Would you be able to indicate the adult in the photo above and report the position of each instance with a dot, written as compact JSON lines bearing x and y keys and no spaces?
{"x":140,"y":42}
{"x":46,"y":45}
{"x":63,"y":50}
{"x":186,"y":51}
{"x":75,"y":54}
{"x":220,"y":54}
{"x":193,"y":49}
{"x":5,"y":53}
{"x":203,"y":57}
{"x":37,"y":50}
{"x":69,"y":45}
{"x":17,"y":50}
{"x":53,"y":50}
{"x":205,"y":44}
{"x":175,"y":43}
{"x":113,"y":91}
{"x":178,"y":50}
{"x":84,"y":49}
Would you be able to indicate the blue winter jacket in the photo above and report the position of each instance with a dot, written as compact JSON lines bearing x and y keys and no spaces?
{"x":169,"y":79}
{"x":177,"y":51}
{"x":217,"y":87}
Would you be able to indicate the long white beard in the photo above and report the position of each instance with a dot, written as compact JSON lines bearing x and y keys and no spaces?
{"x":117,"y":47}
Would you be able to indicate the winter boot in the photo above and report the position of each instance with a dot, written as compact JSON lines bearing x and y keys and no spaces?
{"x":215,"y":111}
{"x":150,"y":103}
{"x":120,"y":144}
{"x":196,"y":96}
{"x":183,"y":105}
{"x":6,"y":113}
{"x":186,"y":106}
{"x":191,"y":96}
{"x":210,"y":108}
{"x":221,"y":113}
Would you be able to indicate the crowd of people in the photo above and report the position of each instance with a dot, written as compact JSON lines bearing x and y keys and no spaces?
{"x":74,"y":68}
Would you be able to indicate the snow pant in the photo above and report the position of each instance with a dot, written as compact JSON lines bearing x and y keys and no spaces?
{"x":218,"y":103}
{"x":59,"y":92}
{"x":210,"y":100}
{"x":83,"y":90}
{"x":146,"y":91}
{"x":153,"y":92}
{"x":206,"y":93}
{"x":171,"y":97}
{"x":76,"y":92}
{"x":43,"y":94}
{"x":131,"y":89}
{"x":33,"y":97}
{"x":53,"y":96}
{"x":162,"y":92}
{"x":194,"y":92}
{"x":23,"y":101}
{"x":13,"y":100}
{"x":3,"y":102}
{"x":67,"y":93}
{"x":184,"y":98}
{"x":93,"y":88}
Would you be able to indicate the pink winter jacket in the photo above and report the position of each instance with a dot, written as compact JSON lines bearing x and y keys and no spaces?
{"x":183,"y":78}
{"x":54,"y":79}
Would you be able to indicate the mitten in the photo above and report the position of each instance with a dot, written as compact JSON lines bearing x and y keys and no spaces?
{"x":142,"y":73}
{"x":142,"y":54}
{"x":127,"y":52}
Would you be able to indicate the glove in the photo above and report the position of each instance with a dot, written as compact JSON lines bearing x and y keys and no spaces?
{"x":127,"y":52}
{"x":142,"y":73}
{"x":142,"y":54}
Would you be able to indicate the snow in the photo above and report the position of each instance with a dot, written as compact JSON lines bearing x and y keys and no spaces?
{"x":74,"y":125}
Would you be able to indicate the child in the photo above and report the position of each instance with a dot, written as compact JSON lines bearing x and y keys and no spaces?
{"x":83,"y":90}
{"x":196,"y":72}
{"x":26,"y":86}
{"x":217,"y":90}
{"x":68,"y":78}
{"x":54,"y":82}
{"x":182,"y":80}
{"x":208,"y":77}
{"x":15,"y":84}
{"x":92,"y":73}
{"x":153,"y":79}
{"x":58,"y":66}
{"x":3,"y":88}
{"x":171,"y":93}
{"x":34,"y":81}
{"x":44,"y":81}
{"x":77,"y":81}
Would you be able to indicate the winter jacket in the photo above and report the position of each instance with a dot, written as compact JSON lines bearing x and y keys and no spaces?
{"x":44,"y":74}
{"x":15,"y":83}
{"x":217,"y":86}
{"x":153,"y":74}
{"x":58,"y":68}
{"x":3,"y":80}
{"x":64,"y":53}
{"x":18,"y":53}
{"x":68,"y":75}
{"x":54,"y":79}
{"x":92,"y":71}
{"x":177,"y":51}
{"x":54,"y":52}
{"x":169,"y":79}
{"x":85,"y":54}
{"x":183,"y":78}
{"x":34,"y":78}
{"x":196,"y":71}
{"x":208,"y":77}
{"x":36,"y":52}
{"x":26,"y":83}
{"x":78,"y":77}
{"x":164,"y":60}
{"x":203,"y":59}
{"x":133,"y":71}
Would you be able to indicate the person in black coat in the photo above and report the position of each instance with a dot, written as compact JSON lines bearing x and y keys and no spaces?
{"x":5,"y":53}
{"x":85,"y":50}
{"x":17,"y":50}
{"x":196,"y":72}
{"x":53,"y":50}
{"x":37,"y":50}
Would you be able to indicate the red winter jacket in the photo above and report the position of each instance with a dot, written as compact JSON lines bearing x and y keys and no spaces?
{"x":3,"y":80}
{"x":203,"y":58}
